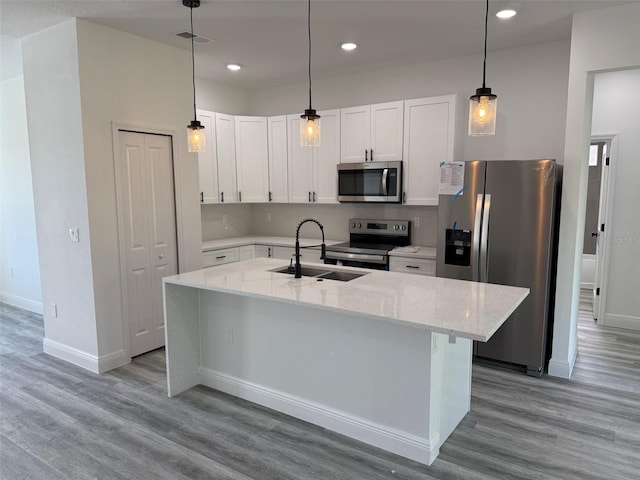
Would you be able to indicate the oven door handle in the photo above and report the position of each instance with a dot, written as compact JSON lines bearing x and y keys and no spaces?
{"x":385,"y":181}
{"x":360,"y":257}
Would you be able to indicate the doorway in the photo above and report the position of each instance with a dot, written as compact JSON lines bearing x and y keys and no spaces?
{"x":148,"y":238}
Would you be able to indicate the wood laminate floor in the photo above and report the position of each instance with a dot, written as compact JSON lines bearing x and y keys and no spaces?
{"x":58,"y":421}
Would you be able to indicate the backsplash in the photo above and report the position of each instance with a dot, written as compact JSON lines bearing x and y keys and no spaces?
{"x":224,"y":221}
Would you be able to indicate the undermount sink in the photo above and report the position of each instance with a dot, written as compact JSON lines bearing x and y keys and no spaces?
{"x":321,"y":273}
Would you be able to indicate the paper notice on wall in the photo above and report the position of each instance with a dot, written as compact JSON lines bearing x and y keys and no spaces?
{"x":451,"y":178}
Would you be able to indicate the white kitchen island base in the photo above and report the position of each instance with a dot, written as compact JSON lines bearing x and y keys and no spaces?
{"x":387,"y":383}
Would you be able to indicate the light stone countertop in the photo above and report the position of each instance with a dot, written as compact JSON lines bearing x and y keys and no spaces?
{"x":428,"y":253}
{"x":455,"y":307}
{"x":261,"y":240}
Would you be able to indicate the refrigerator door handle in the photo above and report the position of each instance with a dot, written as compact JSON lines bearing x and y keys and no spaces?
{"x":484,"y":240}
{"x":476,"y":239}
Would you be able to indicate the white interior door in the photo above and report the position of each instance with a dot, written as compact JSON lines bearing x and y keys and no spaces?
{"x":147,"y":206}
{"x":599,"y":285}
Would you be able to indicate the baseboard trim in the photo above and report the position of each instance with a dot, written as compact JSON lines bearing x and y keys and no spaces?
{"x":563,"y":368}
{"x":21,"y":302}
{"x":85,"y":360}
{"x":621,"y":321}
{"x":396,"y":441}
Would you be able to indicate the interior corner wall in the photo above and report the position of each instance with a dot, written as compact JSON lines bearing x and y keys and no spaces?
{"x":530,"y":81}
{"x":19,"y":269}
{"x":145,"y":85}
{"x":601,"y":40}
{"x":52,"y":87}
{"x":218,"y":97}
{"x":615,"y":111}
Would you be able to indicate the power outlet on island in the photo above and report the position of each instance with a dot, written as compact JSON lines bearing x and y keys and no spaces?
{"x":228,"y":335}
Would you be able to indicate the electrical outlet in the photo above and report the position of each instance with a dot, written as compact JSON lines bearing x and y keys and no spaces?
{"x":268,"y":216}
{"x":11,"y":272}
{"x":228,"y":335}
{"x":53,"y":309}
{"x":225,"y":218}
{"x":416,"y":222}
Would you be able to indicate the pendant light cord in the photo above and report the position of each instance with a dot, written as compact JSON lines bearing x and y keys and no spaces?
{"x":309,"y":31}
{"x":193,"y":66}
{"x":484,"y":61}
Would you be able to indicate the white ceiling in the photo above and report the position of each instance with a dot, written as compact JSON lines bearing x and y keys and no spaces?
{"x":269,"y":37}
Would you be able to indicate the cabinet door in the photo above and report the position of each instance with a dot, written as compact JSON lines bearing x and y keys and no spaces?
{"x":252,"y":159}
{"x":326,"y":159}
{"x":278,"y":181}
{"x":246,"y":252}
{"x":263,"y":251}
{"x":208,"y":160}
{"x":386,"y":132}
{"x":355,"y":134}
{"x":299,"y":164}
{"x":428,"y":140}
{"x":226,"y":150}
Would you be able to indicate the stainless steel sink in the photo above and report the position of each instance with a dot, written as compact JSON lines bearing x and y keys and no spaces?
{"x":321,"y":273}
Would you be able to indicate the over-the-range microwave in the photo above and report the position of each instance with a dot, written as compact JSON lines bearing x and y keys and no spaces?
{"x":370,"y":182}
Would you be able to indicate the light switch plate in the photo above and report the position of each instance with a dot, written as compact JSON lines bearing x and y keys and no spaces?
{"x":74,"y":235}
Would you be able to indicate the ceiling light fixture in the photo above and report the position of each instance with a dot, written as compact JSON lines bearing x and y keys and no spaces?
{"x":506,"y":13}
{"x":196,"y":140}
{"x":483,"y":105}
{"x":234,"y":67}
{"x":310,"y":124}
{"x":348,"y":46}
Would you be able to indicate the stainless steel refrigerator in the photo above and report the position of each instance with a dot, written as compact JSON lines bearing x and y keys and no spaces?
{"x":500,"y":227}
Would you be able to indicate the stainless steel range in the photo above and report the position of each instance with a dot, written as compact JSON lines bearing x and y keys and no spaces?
{"x":369,"y":243}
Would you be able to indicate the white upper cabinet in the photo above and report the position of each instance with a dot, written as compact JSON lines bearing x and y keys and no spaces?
{"x":312,"y":172}
{"x":208,"y":160}
{"x":372,"y":132}
{"x":252,"y":159}
{"x":278,"y":156}
{"x":226,"y":151}
{"x":429,"y":139}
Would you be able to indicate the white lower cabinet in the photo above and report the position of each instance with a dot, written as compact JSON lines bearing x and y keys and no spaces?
{"x":263,"y":251}
{"x":247,"y":252}
{"x":213,"y":258}
{"x":418,"y":266}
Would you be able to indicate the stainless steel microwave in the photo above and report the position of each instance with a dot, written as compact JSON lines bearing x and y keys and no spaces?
{"x":370,"y":182}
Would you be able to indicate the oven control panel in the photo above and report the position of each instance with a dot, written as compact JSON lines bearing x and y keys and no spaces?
{"x":379,"y":227}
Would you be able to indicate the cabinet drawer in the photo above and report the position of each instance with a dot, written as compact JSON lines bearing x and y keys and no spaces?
{"x":219,"y":257}
{"x":418,"y":266}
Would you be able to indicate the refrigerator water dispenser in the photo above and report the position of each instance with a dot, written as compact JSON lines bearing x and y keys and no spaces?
{"x":457,"y":247}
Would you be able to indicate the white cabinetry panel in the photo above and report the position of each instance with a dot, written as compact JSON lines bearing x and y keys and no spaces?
{"x":278,"y":156}
{"x":226,"y":150}
{"x":429,"y":139}
{"x":208,"y":160}
{"x":252,"y":162}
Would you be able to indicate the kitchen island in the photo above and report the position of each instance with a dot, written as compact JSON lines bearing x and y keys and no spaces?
{"x":384,"y":358}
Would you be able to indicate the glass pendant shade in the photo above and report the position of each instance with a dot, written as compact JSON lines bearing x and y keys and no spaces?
{"x":310,"y":129}
{"x":483,"y":109}
{"x":196,"y":139}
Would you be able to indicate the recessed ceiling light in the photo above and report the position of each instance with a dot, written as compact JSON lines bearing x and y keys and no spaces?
{"x":234,"y":67}
{"x":507,"y":13}
{"x":348,"y":46}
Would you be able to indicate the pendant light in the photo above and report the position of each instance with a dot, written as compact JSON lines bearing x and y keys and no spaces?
{"x":196,"y":139}
{"x":310,"y":124}
{"x":483,"y":105}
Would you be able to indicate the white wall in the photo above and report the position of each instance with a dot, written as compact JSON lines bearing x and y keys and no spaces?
{"x":221,"y":98}
{"x":615,"y":111}
{"x":531,"y":84}
{"x":601,"y":40}
{"x":80,"y":79}
{"x":18,"y":244}
{"x":52,"y":85}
